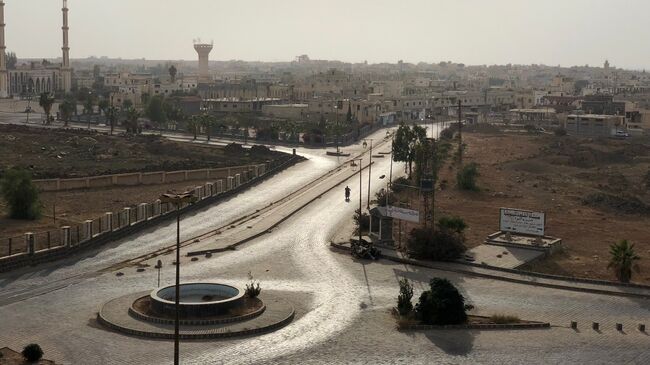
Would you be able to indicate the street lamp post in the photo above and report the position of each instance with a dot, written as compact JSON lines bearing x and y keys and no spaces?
{"x":360,"y":193}
{"x":365,"y":144}
{"x":177,"y":200}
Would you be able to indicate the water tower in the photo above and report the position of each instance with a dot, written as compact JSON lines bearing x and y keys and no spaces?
{"x":203,"y":49}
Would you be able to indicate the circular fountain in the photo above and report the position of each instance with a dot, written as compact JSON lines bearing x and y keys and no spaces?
{"x":206,"y":310}
{"x":197,"y":299}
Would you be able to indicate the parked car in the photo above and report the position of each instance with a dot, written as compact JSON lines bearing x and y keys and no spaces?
{"x":621,"y":134}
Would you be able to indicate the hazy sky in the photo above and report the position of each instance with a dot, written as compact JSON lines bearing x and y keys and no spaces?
{"x":566,"y":32}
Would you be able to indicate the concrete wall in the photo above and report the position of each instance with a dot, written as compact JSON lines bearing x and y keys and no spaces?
{"x":137,"y":178}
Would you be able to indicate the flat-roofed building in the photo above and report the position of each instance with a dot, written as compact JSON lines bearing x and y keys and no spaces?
{"x":593,"y":124}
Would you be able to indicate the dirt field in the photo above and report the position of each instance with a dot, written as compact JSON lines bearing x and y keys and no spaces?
{"x":595,"y":192}
{"x":59,"y":153}
{"x":89,"y":154}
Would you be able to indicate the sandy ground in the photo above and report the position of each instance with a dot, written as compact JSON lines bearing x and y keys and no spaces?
{"x":526,"y":172}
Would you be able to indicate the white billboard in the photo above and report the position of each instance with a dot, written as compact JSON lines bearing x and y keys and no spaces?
{"x":404,"y":214}
{"x":522,"y":221}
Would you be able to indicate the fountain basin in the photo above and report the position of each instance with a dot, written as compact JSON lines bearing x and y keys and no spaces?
{"x":197,"y":299}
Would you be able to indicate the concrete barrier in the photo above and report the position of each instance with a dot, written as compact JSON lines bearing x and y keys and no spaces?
{"x":29,"y":243}
{"x":66,"y":239}
{"x":143,"y":178}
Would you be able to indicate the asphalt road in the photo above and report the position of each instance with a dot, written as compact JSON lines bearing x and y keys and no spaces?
{"x":343,"y":305}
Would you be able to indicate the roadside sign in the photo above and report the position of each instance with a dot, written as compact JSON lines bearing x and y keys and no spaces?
{"x":522,"y":221}
{"x":404,"y":214}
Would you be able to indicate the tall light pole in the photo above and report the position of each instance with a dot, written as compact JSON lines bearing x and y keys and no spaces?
{"x":336,"y":110}
{"x":365,"y":144}
{"x":177,"y":200}
{"x":360,"y":193}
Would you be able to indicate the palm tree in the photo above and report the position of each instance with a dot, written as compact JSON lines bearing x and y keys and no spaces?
{"x":46,"y":100}
{"x":67,"y":108}
{"x":132,"y":117}
{"x":193,"y":125}
{"x":206,"y":122}
{"x":623,"y":260}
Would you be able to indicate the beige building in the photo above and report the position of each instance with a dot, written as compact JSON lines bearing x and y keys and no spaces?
{"x":594,"y":124}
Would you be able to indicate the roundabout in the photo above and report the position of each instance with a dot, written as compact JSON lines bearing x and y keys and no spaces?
{"x":207,"y":311}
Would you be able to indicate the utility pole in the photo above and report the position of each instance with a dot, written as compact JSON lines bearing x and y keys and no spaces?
{"x":434,"y":165}
{"x":360,"y":192}
{"x":460,"y":135}
{"x":369,"y":173}
{"x":336,"y":110}
{"x":177,"y":200}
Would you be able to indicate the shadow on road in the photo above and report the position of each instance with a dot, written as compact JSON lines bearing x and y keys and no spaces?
{"x":452,"y":342}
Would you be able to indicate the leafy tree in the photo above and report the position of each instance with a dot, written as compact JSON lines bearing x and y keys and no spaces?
{"x":207,"y":121}
{"x":103,"y":106}
{"x":382,"y":198}
{"x":89,"y":104}
{"x":32,"y":352}
{"x":441,"y":305}
{"x":127,"y":104}
{"x":12,"y":60}
{"x":404,"y":305}
{"x":155,"y":110}
{"x":362,"y":221}
{"x":623,"y":260}
{"x":172,"y":72}
{"x":67,"y":109}
{"x":405,"y":142}
{"x":46,"y":101}
{"x":442,"y":244}
{"x":20,"y":194}
{"x":112,"y":114}
{"x":131,"y":122}
{"x":193,"y":125}
{"x":466,"y":177}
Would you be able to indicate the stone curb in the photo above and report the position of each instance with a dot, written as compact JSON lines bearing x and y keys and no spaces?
{"x":477,"y":326}
{"x":195,"y":322}
{"x":198,"y":335}
{"x":560,"y":277}
{"x":502,"y":278}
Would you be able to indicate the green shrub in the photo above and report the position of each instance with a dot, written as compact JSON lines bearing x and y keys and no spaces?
{"x":382,"y":198}
{"x":400,"y":184}
{"x":20,"y":194}
{"x":466,"y":177}
{"x":560,"y":132}
{"x":362,"y":221}
{"x":253,"y":289}
{"x":447,"y":134}
{"x":441,"y":305}
{"x":504,"y":319}
{"x":456,"y":224}
{"x":32,"y":352}
{"x":441,"y":245}
{"x":404,"y":305}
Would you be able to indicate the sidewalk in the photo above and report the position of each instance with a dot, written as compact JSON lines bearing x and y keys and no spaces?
{"x":518,"y":276}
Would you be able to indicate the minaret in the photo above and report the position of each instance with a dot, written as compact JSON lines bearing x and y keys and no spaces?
{"x":4,"y":75}
{"x":66,"y":71}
